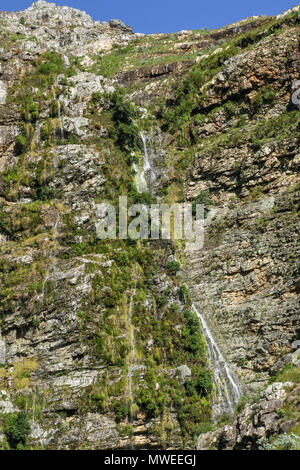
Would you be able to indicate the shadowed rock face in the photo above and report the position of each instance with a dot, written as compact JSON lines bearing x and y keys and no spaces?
{"x":96,"y":340}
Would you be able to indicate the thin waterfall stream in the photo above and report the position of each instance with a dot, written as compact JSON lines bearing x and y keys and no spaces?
{"x":226,"y":391}
{"x":144,"y":173}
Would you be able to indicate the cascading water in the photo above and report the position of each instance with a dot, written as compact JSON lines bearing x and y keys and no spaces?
{"x":226,"y":391}
{"x":144,"y":174}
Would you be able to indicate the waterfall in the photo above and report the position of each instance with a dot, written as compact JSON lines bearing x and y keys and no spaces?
{"x":144,"y":174}
{"x":226,"y":391}
{"x":146,"y":166}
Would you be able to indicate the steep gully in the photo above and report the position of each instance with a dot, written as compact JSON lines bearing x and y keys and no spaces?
{"x":227,"y":392}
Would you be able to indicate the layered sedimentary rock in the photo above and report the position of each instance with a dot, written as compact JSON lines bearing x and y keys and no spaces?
{"x":99,"y":343}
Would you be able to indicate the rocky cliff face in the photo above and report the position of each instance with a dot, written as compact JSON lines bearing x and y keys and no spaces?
{"x":99,"y":344}
{"x":63,"y":29}
{"x":270,"y":416}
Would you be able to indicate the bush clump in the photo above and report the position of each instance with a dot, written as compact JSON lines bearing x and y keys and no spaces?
{"x":21,"y":144}
{"x":17,"y":430}
{"x":173,"y":267}
{"x":193,"y":339}
{"x":283,"y":442}
{"x":266,"y":95}
{"x":121,"y":409}
{"x":123,"y":115}
{"x":202,"y":198}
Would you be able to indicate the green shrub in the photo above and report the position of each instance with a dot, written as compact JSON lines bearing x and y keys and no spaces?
{"x":30,"y":110}
{"x":53,"y":109}
{"x":201,"y":386}
{"x":157,"y":356}
{"x":275,"y":129}
{"x":203,"y":428}
{"x":121,"y":409}
{"x":109,"y":64}
{"x":173,"y":267}
{"x":45,"y":131}
{"x":190,"y":387}
{"x":125,"y":431}
{"x":121,"y":259}
{"x":52,"y":65}
{"x":150,"y":402}
{"x":63,"y":81}
{"x":140,"y":198}
{"x":161,"y":300}
{"x":21,"y":144}
{"x":230,"y":109}
{"x":132,"y":158}
{"x":266,"y":95}
{"x":202,"y":198}
{"x":128,"y":136}
{"x":184,"y":293}
{"x":44,"y":193}
{"x":289,"y":373}
{"x":204,"y":383}
{"x":11,"y":175}
{"x":193,"y":340}
{"x":99,"y":398}
{"x":282,"y":442}
{"x":16,"y":429}
{"x":241,"y":404}
{"x":34,"y":111}
{"x":187,"y":101}
{"x":123,"y":115}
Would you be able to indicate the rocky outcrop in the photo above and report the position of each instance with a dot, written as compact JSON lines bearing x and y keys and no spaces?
{"x":244,"y":74}
{"x":247,"y":302}
{"x":152,"y":72}
{"x":45,"y":25}
{"x":288,"y":12}
{"x":263,"y":419}
{"x":243,"y":280}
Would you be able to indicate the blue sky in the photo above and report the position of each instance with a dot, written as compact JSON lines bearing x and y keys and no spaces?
{"x":154,"y":16}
